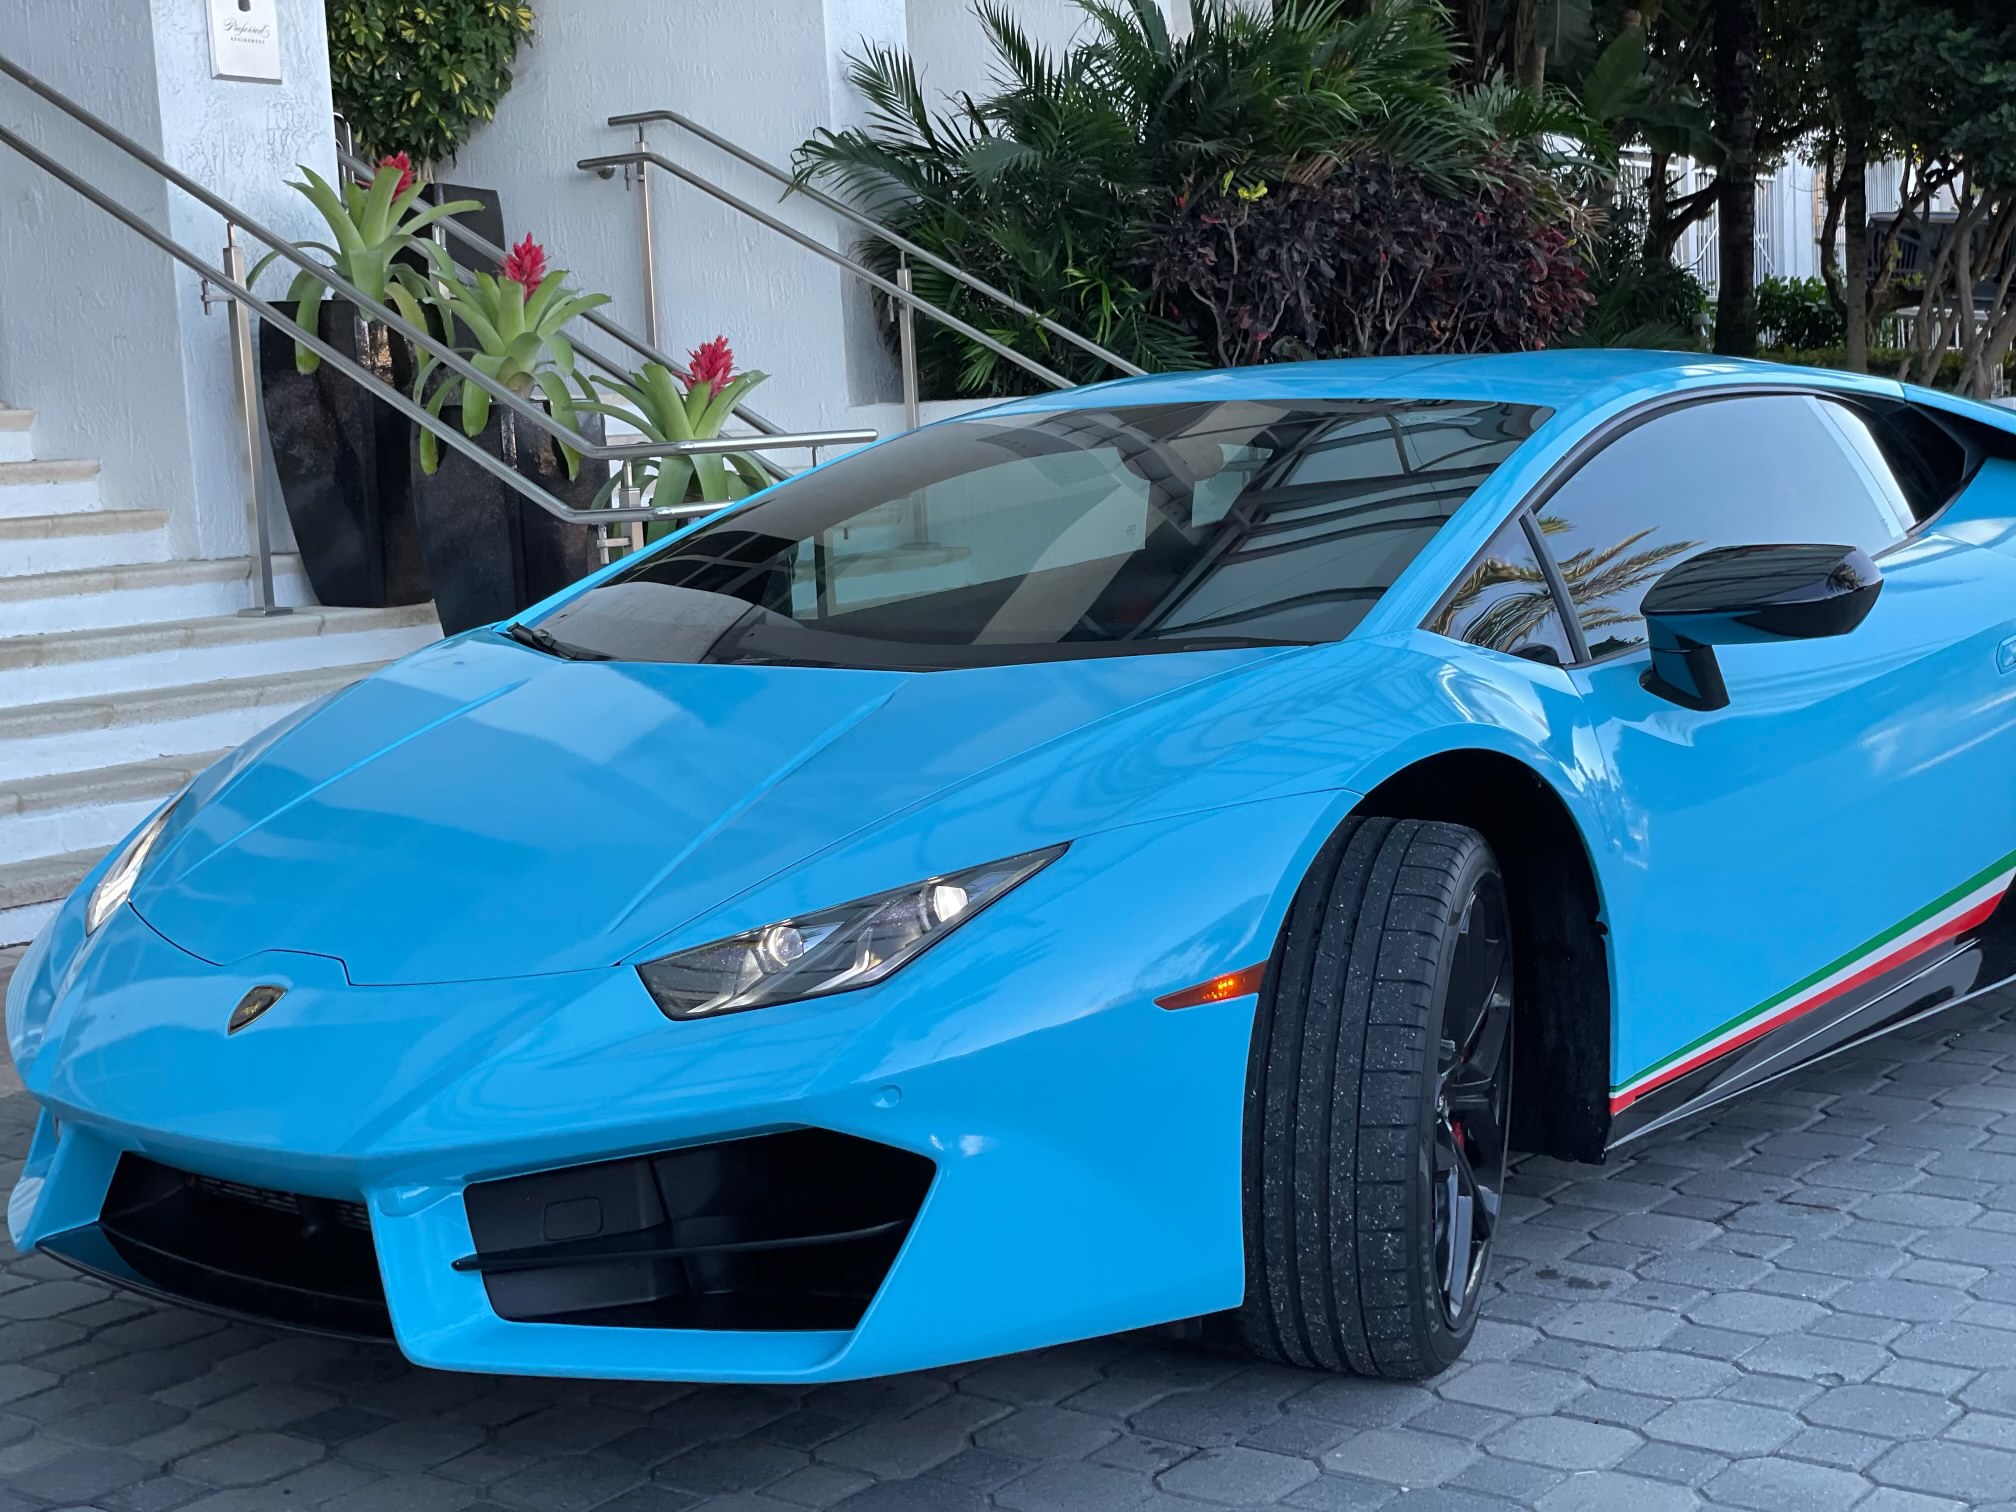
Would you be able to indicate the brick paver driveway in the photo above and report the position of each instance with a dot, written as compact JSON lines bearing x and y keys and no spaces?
{"x":1808,"y":1302}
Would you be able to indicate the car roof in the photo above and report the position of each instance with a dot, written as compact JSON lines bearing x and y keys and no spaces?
{"x":1551,"y":377}
{"x":1577,"y":383}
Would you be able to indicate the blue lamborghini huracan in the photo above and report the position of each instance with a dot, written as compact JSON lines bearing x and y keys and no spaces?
{"x":1087,"y":864}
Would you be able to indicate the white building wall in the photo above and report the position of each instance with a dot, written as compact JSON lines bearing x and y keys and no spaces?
{"x":99,"y":331}
{"x":947,"y":42}
{"x":765,"y":73}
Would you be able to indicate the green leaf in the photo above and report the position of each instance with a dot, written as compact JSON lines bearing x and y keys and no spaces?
{"x":674,"y":481}
{"x":374,"y":220}
{"x":560,"y":404}
{"x":306,"y":292}
{"x":475,"y":409}
{"x":722,"y":405}
{"x":420,"y":222}
{"x":334,"y":212}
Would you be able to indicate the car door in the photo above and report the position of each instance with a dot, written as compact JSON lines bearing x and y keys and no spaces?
{"x":1780,"y":866}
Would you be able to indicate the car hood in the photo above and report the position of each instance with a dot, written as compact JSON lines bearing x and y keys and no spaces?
{"x":484,"y":810}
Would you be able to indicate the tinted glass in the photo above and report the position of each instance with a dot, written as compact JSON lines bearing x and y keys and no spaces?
{"x":1503,"y":602}
{"x":1076,"y":533}
{"x":1735,"y":472}
{"x":1930,"y":462}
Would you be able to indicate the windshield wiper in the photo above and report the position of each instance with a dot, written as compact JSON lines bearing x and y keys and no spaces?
{"x":552,"y":645}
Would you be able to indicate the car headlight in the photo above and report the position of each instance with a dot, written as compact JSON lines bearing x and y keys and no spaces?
{"x":834,"y":950}
{"x":117,"y":884}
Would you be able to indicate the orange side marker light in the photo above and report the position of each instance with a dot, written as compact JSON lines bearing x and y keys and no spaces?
{"x":1218,"y":990}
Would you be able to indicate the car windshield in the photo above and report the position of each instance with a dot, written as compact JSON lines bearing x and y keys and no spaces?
{"x":1071,"y":533}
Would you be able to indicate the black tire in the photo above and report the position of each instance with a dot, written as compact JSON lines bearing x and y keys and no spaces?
{"x":1365,"y":1117}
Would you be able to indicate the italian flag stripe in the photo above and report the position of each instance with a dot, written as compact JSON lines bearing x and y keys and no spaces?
{"x":1944,"y":919}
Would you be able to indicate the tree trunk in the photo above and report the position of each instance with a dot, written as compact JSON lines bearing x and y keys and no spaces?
{"x":1658,"y":203}
{"x":1475,"y":33}
{"x":1524,"y":50}
{"x":1855,"y":257}
{"x":1737,"y":27}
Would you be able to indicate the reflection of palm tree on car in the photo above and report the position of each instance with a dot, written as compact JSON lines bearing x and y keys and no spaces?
{"x":1592,"y":575}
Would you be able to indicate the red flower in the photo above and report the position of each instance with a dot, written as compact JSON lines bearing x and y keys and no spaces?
{"x":404,"y":163}
{"x":713,"y":364}
{"x":526,"y":264}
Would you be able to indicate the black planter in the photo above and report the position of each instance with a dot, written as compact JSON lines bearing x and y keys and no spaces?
{"x":490,"y":551}
{"x":344,"y":461}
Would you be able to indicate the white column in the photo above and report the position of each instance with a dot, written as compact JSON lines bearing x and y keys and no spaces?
{"x":99,"y":331}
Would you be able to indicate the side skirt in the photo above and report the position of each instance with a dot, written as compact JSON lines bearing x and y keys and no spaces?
{"x":1965,"y":949}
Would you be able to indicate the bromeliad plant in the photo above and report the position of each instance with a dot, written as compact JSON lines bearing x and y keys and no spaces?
{"x":515,"y":320}
{"x":662,"y":410}
{"x":370,"y":226}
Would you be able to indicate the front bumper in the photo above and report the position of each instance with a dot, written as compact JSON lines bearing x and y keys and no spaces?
{"x":1084,"y":1144}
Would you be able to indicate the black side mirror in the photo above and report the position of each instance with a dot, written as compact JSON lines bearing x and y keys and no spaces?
{"x":1740,"y":595}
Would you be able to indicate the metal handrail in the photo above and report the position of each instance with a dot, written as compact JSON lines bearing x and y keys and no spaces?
{"x":421,"y":339}
{"x":365,"y":172}
{"x":873,"y":227}
{"x":861,"y":271}
{"x":495,"y":466}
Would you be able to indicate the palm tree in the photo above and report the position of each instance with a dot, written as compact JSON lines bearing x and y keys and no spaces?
{"x":1049,"y":186}
{"x":1592,"y":575}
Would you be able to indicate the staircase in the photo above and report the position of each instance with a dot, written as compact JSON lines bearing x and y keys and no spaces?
{"x":124,"y":672}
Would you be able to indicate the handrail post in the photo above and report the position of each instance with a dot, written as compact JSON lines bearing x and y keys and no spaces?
{"x":650,"y":238}
{"x":906,"y":345}
{"x":245,"y":375}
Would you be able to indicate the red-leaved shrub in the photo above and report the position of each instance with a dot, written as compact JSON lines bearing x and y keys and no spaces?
{"x":1374,"y":261}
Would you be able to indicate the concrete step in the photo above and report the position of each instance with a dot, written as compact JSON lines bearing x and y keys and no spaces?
{"x":84,"y":734}
{"x":15,"y":424}
{"x":30,"y":891}
{"x":77,"y":811}
{"x":86,"y":539}
{"x":87,"y":663}
{"x":95,"y":598}
{"x":34,"y":488}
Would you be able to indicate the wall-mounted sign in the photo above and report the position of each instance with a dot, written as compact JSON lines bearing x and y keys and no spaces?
{"x":245,"y":40}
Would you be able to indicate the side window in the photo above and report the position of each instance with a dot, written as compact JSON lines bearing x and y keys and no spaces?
{"x":1930,"y":462}
{"x":1502,"y":602}
{"x":1731,"y":472}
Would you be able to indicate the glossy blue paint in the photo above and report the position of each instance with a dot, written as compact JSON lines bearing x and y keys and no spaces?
{"x":453,"y":866}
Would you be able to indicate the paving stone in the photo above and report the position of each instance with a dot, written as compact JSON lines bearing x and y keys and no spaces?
{"x":1736,"y":1428}
{"x":1966,"y":1472}
{"x":1884,"y":1411}
{"x":1608,"y":1491}
{"x":1400,"y":1456}
{"x":81,"y":1475}
{"x":895,"y":1448}
{"x":1514,"y":1480}
{"x":1781,"y":1485}
{"x":565,"y":1483}
{"x":1237,"y":1476}
{"x":1616,"y":1324}
{"x":1564,"y":1443}
{"x":1341,"y":1493}
{"x":1512,"y":1387}
{"x":1661,"y":1373}
{"x":1676,"y":1463}
{"x":1039,"y":1433}
{"x":1834,"y":1446}
{"x":1752,"y":1313}
{"x":1063,"y":1486}
{"x":249,"y":1459}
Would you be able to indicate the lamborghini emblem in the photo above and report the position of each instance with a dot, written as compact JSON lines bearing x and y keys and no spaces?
{"x":252,"y":1005}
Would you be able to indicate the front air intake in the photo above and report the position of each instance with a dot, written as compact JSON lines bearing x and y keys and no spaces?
{"x":305,"y":1262}
{"x":781,"y":1231}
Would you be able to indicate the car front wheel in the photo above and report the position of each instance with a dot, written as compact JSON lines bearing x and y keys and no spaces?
{"x":1378,"y":1103}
